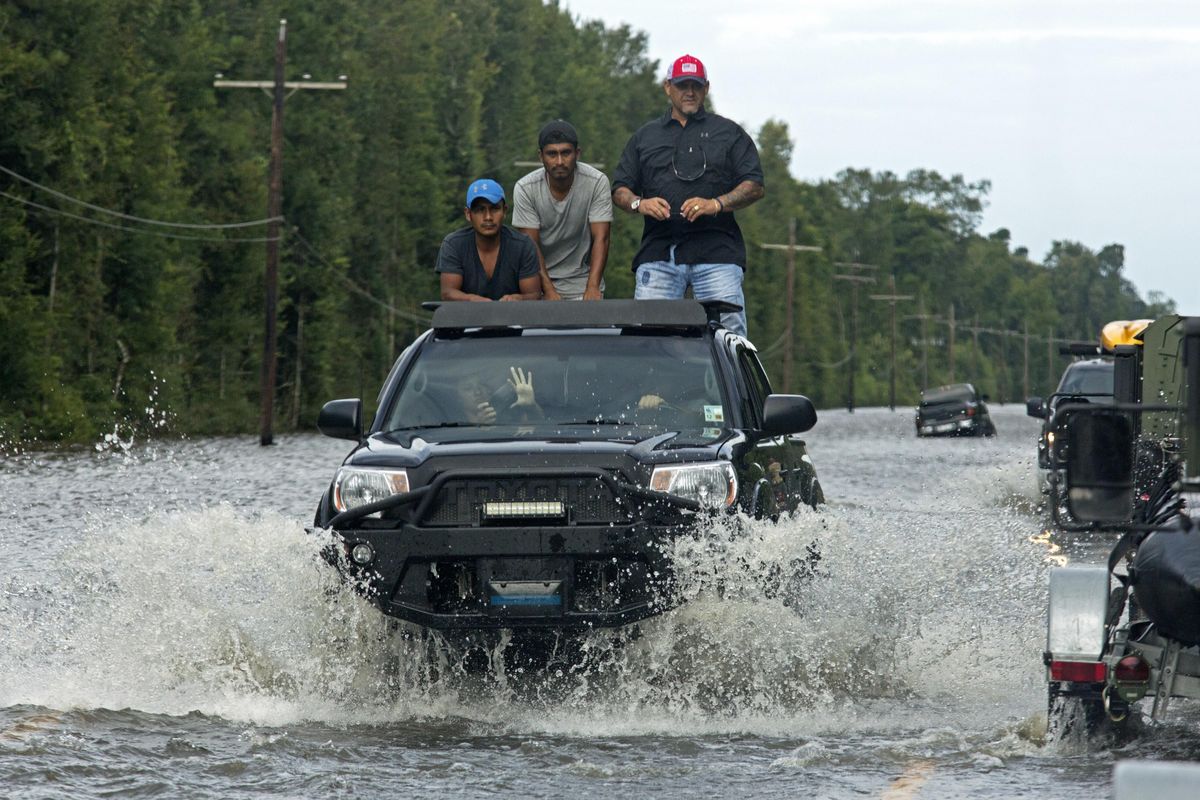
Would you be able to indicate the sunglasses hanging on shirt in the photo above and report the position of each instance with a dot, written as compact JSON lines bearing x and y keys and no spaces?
{"x":688,"y":162}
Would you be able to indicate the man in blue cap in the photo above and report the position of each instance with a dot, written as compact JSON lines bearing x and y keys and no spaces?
{"x":488,"y":260}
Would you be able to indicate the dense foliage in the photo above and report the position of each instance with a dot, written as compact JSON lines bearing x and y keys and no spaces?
{"x":110,"y":107}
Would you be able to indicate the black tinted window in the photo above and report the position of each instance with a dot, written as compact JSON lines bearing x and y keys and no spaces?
{"x":576,"y":379}
{"x":1090,"y":379}
{"x":956,"y":393}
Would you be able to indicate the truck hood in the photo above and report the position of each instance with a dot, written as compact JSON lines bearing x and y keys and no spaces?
{"x":413,"y":449}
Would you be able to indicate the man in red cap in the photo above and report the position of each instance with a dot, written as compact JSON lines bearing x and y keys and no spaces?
{"x":686,"y":172}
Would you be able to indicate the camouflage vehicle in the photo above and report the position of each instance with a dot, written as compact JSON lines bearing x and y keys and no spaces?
{"x":1130,"y":630}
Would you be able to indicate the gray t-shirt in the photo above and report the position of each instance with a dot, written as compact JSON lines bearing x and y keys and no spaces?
{"x":566,"y":239}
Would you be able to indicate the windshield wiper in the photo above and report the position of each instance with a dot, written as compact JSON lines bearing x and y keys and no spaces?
{"x":598,"y":421}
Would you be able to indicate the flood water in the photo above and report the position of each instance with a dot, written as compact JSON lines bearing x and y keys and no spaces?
{"x":167,"y":630}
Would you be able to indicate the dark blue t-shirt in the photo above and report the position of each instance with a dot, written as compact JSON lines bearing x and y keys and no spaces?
{"x":517,"y":260}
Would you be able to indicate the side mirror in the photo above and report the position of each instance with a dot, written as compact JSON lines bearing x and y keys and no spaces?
{"x":1099,"y":469}
{"x":788,"y":413}
{"x":1036,"y":407}
{"x":341,"y":419}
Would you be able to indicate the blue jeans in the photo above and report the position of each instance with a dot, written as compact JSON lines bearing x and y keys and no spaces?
{"x":666,"y":280}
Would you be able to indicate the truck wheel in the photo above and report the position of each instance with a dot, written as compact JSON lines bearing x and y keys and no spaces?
{"x":1074,"y":718}
{"x":1082,"y":718}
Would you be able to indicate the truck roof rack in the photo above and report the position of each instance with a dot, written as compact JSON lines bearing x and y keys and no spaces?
{"x":677,"y":314}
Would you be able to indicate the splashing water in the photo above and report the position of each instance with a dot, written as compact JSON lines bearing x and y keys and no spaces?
{"x":177,"y":579}
{"x":231,"y":615}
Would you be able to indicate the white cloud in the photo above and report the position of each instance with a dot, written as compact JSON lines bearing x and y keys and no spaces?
{"x":1019,"y":36}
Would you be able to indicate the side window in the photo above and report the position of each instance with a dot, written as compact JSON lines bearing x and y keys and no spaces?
{"x":757,"y":385}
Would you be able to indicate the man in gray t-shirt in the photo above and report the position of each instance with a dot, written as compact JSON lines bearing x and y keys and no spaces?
{"x":566,"y":208}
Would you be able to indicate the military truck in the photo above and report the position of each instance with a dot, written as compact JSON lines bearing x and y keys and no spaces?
{"x":1130,"y":630}
{"x":1088,"y":379}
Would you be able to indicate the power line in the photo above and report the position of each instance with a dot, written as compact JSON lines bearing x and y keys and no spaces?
{"x":126,"y":228}
{"x":354,"y":287}
{"x":132,"y":218}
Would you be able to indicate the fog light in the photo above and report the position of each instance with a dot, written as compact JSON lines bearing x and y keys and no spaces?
{"x":525,"y":508}
{"x":362,"y":554}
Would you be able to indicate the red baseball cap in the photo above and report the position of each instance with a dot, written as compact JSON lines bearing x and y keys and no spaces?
{"x":687,"y":68}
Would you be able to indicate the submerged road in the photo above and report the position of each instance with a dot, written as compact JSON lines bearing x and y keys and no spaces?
{"x":169,"y":632}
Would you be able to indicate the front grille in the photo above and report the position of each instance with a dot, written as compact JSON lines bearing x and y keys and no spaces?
{"x":460,"y":501}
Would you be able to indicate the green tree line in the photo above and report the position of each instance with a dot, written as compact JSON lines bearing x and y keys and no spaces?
{"x":111,"y":124}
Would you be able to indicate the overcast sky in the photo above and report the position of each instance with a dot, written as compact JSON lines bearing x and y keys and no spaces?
{"x":1082,"y":113}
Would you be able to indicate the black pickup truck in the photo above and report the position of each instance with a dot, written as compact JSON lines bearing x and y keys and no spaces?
{"x":954,"y":410}
{"x":529,"y":463}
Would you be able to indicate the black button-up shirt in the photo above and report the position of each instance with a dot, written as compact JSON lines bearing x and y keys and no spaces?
{"x":707,"y":158}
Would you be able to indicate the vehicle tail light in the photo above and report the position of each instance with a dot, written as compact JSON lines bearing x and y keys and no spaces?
{"x":970,"y":411}
{"x":1078,"y":671}
{"x":1132,"y":669}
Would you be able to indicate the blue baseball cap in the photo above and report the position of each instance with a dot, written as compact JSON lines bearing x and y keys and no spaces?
{"x":486,"y":188}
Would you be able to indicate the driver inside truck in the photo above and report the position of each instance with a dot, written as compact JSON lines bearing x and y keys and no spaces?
{"x":479,"y":401}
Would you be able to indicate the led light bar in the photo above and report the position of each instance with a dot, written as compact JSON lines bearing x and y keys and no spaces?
{"x":525,"y":509}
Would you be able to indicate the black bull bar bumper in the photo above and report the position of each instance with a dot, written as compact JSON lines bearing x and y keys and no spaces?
{"x":516,"y":574}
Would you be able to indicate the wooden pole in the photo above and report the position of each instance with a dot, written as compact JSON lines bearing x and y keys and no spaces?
{"x":266,"y":435}
{"x":790,"y":290}
{"x":1025,"y":375}
{"x":892,"y":299}
{"x":1049,"y":362}
{"x":951,"y":353}
{"x":855,"y":276}
{"x":791,"y":314}
{"x":277,"y":88}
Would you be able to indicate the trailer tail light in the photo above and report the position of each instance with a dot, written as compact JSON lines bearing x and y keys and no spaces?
{"x":1131,"y":678}
{"x":1132,"y":669}
{"x":1078,"y":671}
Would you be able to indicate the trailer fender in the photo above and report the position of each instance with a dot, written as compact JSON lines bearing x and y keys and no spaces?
{"x":1077,"y":614}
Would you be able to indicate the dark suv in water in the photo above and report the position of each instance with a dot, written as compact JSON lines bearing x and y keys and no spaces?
{"x":954,"y":410}
{"x":530,"y":463}
{"x":1086,"y":381}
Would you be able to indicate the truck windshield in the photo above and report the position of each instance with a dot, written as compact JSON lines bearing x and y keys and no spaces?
{"x":1090,"y":379}
{"x":560,"y":381}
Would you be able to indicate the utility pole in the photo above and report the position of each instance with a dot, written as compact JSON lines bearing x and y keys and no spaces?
{"x":274,"y":212}
{"x":1025,"y":376}
{"x":951,"y":325}
{"x":921,"y":315}
{"x":975,"y":339}
{"x":858,"y":273}
{"x":789,"y":326}
{"x":1050,"y":386}
{"x":892,"y":299}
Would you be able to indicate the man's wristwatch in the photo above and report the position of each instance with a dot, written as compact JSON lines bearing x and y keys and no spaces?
{"x":637,"y":201}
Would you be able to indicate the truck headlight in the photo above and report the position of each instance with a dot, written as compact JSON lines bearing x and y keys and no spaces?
{"x":357,"y":486}
{"x":712,"y":485}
